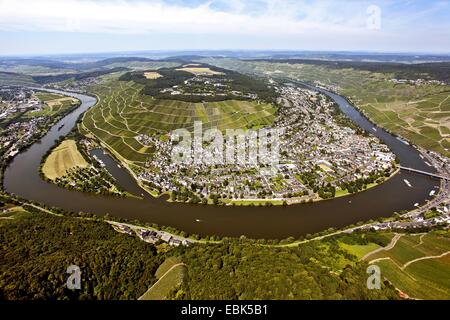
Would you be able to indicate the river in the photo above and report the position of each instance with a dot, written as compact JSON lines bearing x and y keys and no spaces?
{"x":277,"y":222}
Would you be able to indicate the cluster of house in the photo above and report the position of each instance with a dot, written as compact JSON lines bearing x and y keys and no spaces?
{"x":330,"y":87}
{"x":341,"y":153}
{"x":17,"y":99}
{"x":206,"y":86}
{"x":16,"y":134}
{"x":416,"y":223}
{"x":152,"y":236}
{"x":417,"y":82}
{"x":312,"y":142}
{"x":78,"y":86}
{"x":19,"y":134}
{"x":146,"y":140}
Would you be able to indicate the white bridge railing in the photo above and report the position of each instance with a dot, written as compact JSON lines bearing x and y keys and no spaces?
{"x":434,"y":175}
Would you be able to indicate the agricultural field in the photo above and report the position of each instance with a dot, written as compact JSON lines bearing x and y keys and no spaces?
{"x":199,"y":71}
{"x":170,"y":274}
{"x":54,"y":104}
{"x":419,"y":113}
{"x":152,"y":75}
{"x":67,"y":168}
{"x":360,"y":250}
{"x":123,"y":113}
{"x":63,"y":158}
{"x":417,"y":264}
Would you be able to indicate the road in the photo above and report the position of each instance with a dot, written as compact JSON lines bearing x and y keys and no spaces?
{"x":388,"y":247}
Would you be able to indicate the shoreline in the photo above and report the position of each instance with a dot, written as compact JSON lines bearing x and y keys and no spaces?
{"x":279,"y":223}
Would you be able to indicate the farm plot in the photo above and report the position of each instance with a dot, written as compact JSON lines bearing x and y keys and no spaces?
{"x":418,"y":264}
{"x":200,"y":71}
{"x":423,"y":119}
{"x":170,"y":275}
{"x":123,"y":113}
{"x":53,"y":104}
{"x":64,"y":157}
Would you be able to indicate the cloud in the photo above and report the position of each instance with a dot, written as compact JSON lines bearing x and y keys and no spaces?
{"x":406,"y":25}
{"x":211,"y":17}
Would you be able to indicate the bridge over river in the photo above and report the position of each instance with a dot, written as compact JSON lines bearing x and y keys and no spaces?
{"x":431,"y":174}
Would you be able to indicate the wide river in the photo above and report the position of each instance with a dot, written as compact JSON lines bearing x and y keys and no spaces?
{"x":22,"y":178}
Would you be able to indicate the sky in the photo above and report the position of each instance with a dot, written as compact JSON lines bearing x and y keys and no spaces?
{"x":37,"y":27}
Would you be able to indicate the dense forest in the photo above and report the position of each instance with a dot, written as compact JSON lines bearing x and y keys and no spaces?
{"x":242,"y":269}
{"x":37,"y":249}
{"x":172,"y":77}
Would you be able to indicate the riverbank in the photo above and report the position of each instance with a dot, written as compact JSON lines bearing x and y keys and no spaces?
{"x":274,"y":222}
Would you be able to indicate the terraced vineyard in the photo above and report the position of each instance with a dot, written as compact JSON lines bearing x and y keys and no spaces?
{"x":122,"y":114}
{"x":170,"y":274}
{"x":419,"y":113}
{"x":417,"y":264}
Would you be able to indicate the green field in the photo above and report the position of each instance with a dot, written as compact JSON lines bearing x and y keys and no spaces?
{"x":170,"y":274}
{"x":419,"y":113}
{"x":122,"y":113}
{"x":418,"y":264}
{"x":53,"y":104}
{"x":360,"y":250}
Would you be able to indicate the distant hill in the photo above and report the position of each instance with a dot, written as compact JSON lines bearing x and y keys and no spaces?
{"x":436,"y":70}
{"x":222,"y":84}
{"x":11,"y":78}
{"x":36,"y":62}
{"x":56,"y":64}
{"x":75,"y":76}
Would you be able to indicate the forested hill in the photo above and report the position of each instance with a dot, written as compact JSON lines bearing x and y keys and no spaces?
{"x":242,"y":269}
{"x":232,"y":81}
{"x":75,"y":76}
{"x":37,"y":248}
{"x":430,"y":71}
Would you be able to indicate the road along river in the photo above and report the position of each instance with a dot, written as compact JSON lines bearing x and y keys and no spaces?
{"x":22,"y":178}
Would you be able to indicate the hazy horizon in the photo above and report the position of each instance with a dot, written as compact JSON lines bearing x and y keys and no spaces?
{"x":163,"y":53}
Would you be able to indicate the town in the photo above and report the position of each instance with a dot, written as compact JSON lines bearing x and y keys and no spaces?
{"x":24,"y":118}
{"x":320,"y":157}
{"x":150,"y":235}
